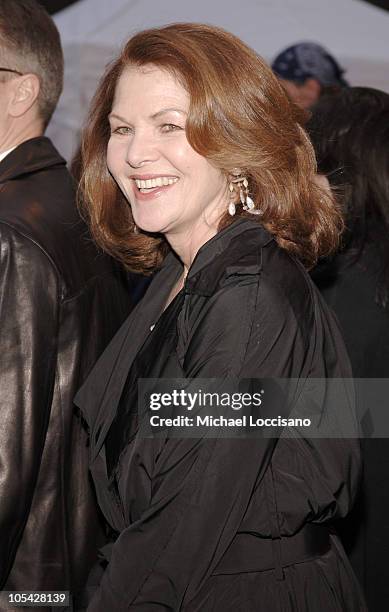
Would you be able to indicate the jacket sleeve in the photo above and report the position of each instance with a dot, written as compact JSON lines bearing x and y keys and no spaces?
{"x":28,"y":324}
{"x":201,"y":487}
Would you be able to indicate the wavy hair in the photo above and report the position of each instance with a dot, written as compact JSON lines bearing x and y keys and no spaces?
{"x":350,"y":133}
{"x":239,"y":116}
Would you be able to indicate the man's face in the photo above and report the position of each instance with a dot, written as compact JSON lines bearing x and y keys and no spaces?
{"x":304,"y":95}
{"x":7,"y":85}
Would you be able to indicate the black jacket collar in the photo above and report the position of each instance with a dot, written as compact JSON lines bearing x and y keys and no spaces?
{"x":222,"y":252}
{"x":28,"y":157}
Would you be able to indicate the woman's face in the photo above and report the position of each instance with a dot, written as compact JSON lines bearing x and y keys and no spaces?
{"x":171,"y":188}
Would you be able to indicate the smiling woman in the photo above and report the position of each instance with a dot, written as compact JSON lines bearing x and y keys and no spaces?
{"x":221,"y":102}
{"x":172,"y":189}
{"x":196,"y":166}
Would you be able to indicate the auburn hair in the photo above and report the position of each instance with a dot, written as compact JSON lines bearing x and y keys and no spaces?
{"x":239,"y":116}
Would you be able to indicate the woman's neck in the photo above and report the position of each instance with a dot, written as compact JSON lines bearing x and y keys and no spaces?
{"x":187,"y":245}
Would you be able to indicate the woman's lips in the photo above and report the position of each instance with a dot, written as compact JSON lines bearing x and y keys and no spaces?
{"x":149,"y":193}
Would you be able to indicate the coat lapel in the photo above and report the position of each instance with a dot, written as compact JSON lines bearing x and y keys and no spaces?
{"x":99,"y":397}
{"x":30,"y":156}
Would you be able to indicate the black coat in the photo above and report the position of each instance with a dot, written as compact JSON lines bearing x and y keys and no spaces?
{"x":60,"y":304}
{"x":349,"y":287}
{"x":197,"y":518}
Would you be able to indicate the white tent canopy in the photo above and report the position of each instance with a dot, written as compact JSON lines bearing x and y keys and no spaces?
{"x":92,"y":31}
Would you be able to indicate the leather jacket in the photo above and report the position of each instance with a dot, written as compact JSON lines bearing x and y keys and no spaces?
{"x":60,"y":303}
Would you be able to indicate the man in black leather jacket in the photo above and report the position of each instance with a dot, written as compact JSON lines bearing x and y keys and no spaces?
{"x":60,"y":303}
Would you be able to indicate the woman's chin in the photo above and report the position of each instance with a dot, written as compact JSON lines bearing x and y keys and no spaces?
{"x":150,"y":227}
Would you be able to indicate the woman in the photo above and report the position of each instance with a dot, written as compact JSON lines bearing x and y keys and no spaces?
{"x":195,"y":163}
{"x":350,"y":133}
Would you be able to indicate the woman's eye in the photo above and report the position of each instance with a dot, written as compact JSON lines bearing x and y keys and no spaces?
{"x":122,"y":130}
{"x":170,"y":127}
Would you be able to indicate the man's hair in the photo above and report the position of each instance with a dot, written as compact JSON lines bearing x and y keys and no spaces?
{"x":30,"y":43}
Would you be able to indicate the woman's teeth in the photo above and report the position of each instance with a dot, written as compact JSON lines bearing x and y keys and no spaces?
{"x":160,"y":181}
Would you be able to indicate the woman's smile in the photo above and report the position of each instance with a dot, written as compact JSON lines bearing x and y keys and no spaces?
{"x":146,"y":187}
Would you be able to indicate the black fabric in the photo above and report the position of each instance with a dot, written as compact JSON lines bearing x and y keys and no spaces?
{"x":350,"y":290}
{"x":125,"y":424}
{"x":61,"y":301}
{"x":384,"y":4}
{"x":53,"y":6}
{"x":177,"y":505}
{"x":246,"y":554}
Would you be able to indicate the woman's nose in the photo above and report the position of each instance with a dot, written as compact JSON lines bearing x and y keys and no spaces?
{"x":141,"y":150}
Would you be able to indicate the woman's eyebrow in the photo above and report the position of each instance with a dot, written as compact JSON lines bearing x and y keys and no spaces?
{"x":156,"y":115}
{"x":116,"y":116}
{"x":163,"y":111}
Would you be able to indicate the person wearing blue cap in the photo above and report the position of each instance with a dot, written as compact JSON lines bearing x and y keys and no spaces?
{"x":307,"y":70}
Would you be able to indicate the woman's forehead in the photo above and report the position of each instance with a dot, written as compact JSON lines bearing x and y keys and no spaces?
{"x":149,"y":89}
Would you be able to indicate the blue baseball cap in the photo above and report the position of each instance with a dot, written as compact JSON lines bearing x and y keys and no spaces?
{"x":309,"y":60}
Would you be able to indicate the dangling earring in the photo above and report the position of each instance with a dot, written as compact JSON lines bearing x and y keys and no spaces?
{"x":135,"y":230}
{"x":231,"y":206}
{"x":242,"y":183}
